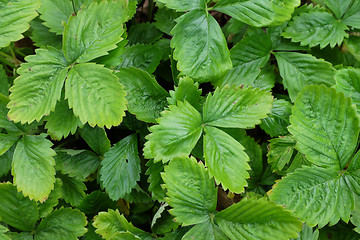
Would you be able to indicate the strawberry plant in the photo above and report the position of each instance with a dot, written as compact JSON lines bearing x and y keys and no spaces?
{"x":191,"y":119}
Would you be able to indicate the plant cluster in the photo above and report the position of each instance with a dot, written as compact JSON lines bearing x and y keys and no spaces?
{"x":179,"y":119}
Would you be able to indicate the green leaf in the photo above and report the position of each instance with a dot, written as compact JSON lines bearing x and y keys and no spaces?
{"x":255,"y":219}
{"x":298,"y":70}
{"x":3,"y":231}
{"x":77,"y":163}
{"x":95,"y":95}
{"x":226,"y":160}
{"x":94,"y":31}
{"x":4,"y":84}
{"x":155,"y":181}
{"x":73,"y":190}
{"x":54,"y":13}
{"x":278,"y":120}
{"x":62,"y":121}
{"x":120,"y":168}
{"x":64,"y":223}
{"x":316,"y":28}
{"x":338,"y":7}
{"x":316,"y":195}
{"x":355,"y":219}
{"x":307,"y":233}
{"x":325,"y":125}
{"x":352,"y":44}
{"x":191,"y":193}
{"x":42,"y":37}
{"x":96,"y":138}
{"x":146,"y":98}
{"x":6,"y":160}
{"x":348,"y":82}
{"x":20,"y":236}
{"x":185,"y":5}
{"x":205,"y":231}
{"x":95,"y":202}
{"x":165,"y":19}
{"x":38,"y":88}
{"x":176,"y":135}
{"x":47,"y":207}
{"x":236,"y":107}
{"x":17,"y":210}
{"x":352,"y":15}
{"x":144,"y":56}
{"x":280,"y":151}
{"x":6,"y":141}
{"x":33,"y":167}
{"x":203,"y":56}
{"x":186,"y":90}
{"x":15,"y":16}
{"x":143,"y":33}
{"x":258,"y":13}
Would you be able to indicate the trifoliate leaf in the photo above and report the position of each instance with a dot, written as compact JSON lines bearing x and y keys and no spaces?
{"x":191,"y":193}
{"x":42,"y":37}
{"x":165,"y":19}
{"x":352,"y":15}
{"x":144,"y":56}
{"x":316,"y":195}
{"x":6,"y":160}
{"x":278,"y":120}
{"x":280,"y":151}
{"x":203,"y":56}
{"x":236,"y":107}
{"x":185,"y":5}
{"x":258,"y":219}
{"x":33,"y":167}
{"x":316,"y":28}
{"x":348,"y":82}
{"x":176,"y":135}
{"x":258,"y":13}
{"x":299,"y":70}
{"x":73,"y":190}
{"x":38,"y":88}
{"x":155,"y":181}
{"x":226,"y":160}
{"x":16,"y":210}
{"x":205,"y":231}
{"x":146,"y":98}
{"x":120,"y":168}
{"x":186,"y":90}
{"x":54,"y":13}
{"x":338,"y":7}
{"x":94,"y":31}
{"x":95,"y":95}
{"x":96,"y":138}
{"x":47,"y":207}
{"x":15,"y":16}
{"x":62,"y":121}
{"x":64,"y":223}
{"x":76,"y":163}
{"x":143,"y":33}
{"x":325,"y":125}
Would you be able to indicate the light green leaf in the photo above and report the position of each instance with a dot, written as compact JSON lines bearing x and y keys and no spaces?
{"x":352,"y":44}
{"x":20,"y":236}
{"x":338,"y":7}
{"x":77,"y":163}
{"x":280,"y":151}
{"x":257,"y":219}
{"x":205,"y":231}
{"x":15,"y":16}
{"x":42,"y":37}
{"x":185,"y":5}
{"x":258,"y":13}
{"x":278,"y":120}
{"x":146,"y":98}
{"x":248,"y":57}
{"x":298,"y":70}
{"x":165,"y":19}
{"x":6,"y":160}
{"x":3,"y":231}
{"x":307,"y":233}
{"x":355,"y":219}
{"x":54,"y":13}
{"x":226,"y":160}
{"x":96,"y":138}
{"x":33,"y":167}
{"x":94,"y":31}
{"x":325,"y":125}
{"x":6,"y":141}
{"x":143,"y":33}
{"x":155,"y":181}
{"x":316,"y":195}
{"x":47,"y":207}
{"x":95,"y":95}
{"x":144,"y":56}
{"x":62,"y":121}
{"x":236,"y":107}
{"x":17,"y":210}
{"x":176,"y":135}
{"x":316,"y":28}
{"x":191,"y":193}
{"x":186,"y":90}
{"x":38,"y":88}
{"x":120,"y":168}
{"x":73,"y":190}
{"x":64,"y":223}
{"x":109,"y":223}
{"x":124,"y":236}
{"x":203,"y":56}
{"x":348,"y":82}
{"x":352,"y":15}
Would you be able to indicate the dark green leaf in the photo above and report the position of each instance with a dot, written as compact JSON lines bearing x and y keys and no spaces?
{"x":96,"y":138}
{"x":143,"y":33}
{"x":73,"y":190}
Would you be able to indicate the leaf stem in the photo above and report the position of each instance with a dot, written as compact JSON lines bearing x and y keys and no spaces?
{"x":4,"y":99}
{"x":151,"y":10}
